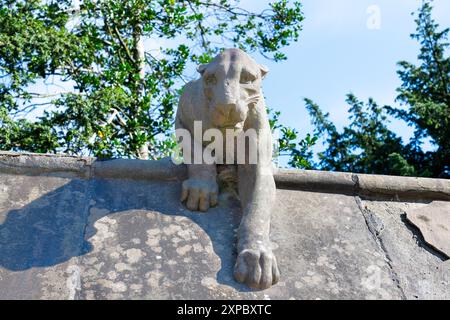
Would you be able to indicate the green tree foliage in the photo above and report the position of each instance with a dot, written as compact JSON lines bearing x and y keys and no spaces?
{"x":425,"y":90}
{"x":123,"y":98}
{"x":366,"y":145}
{"x":299,"y":151}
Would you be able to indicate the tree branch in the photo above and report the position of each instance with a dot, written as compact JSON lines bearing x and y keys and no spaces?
{"x":124,"y":45}
{"x":43,"y":96}
{"x":200,"y":27}
{"x":229,"y":10}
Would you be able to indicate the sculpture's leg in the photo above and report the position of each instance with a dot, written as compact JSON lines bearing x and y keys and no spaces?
{"x":200,"y":191}
{"x":256,"y":265}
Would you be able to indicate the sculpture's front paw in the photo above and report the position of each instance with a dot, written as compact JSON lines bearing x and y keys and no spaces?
{"x":199,"y":194}
{"x":257,"y":268}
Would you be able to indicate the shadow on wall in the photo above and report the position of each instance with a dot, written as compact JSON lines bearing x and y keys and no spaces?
{"x":60,"y":224}
{"x":46,"y":231}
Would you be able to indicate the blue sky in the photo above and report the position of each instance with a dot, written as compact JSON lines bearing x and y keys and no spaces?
{"x":337,"y":53}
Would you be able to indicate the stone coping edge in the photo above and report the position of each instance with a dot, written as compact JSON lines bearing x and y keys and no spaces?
{"x":367,"y":185}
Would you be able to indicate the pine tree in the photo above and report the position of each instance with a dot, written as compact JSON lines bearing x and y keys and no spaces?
{"x":425,"y":90}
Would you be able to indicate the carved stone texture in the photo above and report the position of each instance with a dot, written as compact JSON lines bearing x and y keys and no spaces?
{"x":228,"y":96}
{"x":433,"y":222}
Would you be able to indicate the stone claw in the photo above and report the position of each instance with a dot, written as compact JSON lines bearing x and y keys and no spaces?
{"x":199,"y":195}
{"x":256,"y":268}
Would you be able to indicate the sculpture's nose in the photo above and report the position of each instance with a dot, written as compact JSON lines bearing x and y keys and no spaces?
{"x":226,"y":108}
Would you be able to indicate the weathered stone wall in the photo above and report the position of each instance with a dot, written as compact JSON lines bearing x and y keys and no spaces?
{"x":76,"y":228}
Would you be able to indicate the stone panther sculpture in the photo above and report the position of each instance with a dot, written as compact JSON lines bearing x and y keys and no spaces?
{"x":228,"y":96}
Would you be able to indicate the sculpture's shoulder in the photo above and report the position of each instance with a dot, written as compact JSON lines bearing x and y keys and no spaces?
{"x":190,"y":103}
{"x":192,"y":94}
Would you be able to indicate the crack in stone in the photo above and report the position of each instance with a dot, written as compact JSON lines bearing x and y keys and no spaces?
{"x":376,"y":235}
{"x":86,"y":210}
{"x":356,"y":187}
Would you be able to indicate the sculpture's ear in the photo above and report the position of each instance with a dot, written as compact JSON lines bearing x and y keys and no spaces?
{"x":264,"y":70}
{"x":201,"y":68}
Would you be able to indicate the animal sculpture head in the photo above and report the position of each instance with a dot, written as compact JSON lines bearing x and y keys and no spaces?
{"x":232,"y":85}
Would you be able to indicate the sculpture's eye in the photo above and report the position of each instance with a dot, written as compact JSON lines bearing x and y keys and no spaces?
{"x":247,"y":78}
{"x":210,"y":80}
